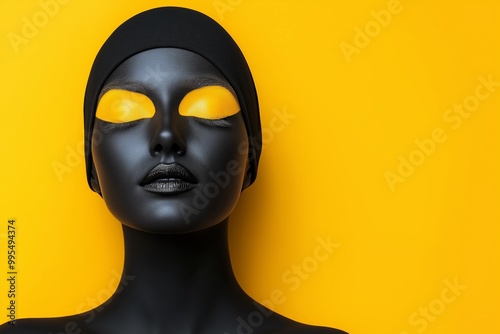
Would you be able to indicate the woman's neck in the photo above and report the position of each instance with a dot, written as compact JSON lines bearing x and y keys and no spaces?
{"x":187,"y":273}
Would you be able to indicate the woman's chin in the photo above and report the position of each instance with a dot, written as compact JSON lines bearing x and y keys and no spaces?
{"x":171,"y":225}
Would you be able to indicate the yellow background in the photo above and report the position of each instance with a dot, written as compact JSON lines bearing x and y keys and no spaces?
{"x":321,"y":174}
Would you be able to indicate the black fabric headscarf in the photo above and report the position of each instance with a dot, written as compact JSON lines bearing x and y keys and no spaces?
{"x":182,"y":28}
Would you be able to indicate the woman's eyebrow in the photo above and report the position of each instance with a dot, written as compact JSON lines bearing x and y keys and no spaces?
{"x":209,"y":81}
{"x":192,"y":84}
{"x":125,"y":85}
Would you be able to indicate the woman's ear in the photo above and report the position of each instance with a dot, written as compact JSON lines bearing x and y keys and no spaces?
{"x":248,"y":177}
{"x":94,"y":181}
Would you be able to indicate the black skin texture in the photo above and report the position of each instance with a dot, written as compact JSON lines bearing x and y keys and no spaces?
{"x":177,"y":274}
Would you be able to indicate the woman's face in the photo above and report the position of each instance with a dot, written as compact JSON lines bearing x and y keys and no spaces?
{"x":169,"y":146}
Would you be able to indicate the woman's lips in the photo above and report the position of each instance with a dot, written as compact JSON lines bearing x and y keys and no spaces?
{"x":169,"y":179}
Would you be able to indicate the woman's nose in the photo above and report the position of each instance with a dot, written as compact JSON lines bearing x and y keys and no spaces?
{"x":167,"y":136}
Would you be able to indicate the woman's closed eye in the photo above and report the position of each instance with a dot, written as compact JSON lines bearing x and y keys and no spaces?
{"x":210,"y":105}
{"x":119,"y":108}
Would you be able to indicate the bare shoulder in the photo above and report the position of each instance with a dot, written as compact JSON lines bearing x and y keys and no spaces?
{"x":78,"y":325}
{"x":63,"y":325}
{"x":306,"y":329}
{"x":283,"y":325}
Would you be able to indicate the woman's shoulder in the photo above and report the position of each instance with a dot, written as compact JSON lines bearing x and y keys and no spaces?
{"x":78,"y":325}
{"x":283,"y":325}
{"x":307,"y":329}
{"x":63,"y":325}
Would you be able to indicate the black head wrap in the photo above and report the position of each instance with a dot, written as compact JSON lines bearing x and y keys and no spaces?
{"x":181,"y":28}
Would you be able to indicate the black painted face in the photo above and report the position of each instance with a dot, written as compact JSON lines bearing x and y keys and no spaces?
{"x":139,"y":163}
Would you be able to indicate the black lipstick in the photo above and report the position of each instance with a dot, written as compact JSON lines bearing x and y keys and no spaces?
{"x":169,"y":179}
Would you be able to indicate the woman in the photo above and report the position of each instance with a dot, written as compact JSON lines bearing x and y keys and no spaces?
{"x":172,"y":138}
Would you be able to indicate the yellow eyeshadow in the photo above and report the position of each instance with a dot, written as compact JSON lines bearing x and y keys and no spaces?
{"x":209,"y":102}
{"x":122,"y":106}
